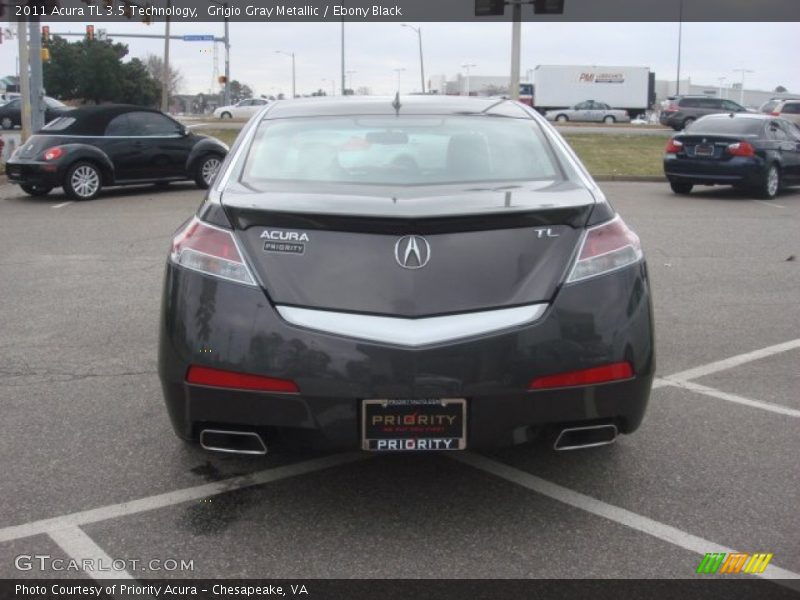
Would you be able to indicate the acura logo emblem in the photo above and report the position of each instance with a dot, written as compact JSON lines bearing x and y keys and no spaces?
{"x":412,"y":252}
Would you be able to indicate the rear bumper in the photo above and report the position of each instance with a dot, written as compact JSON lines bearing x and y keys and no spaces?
{"x":228,"y":326}
{"x":735,"y":171}
{"x":33,"y":173}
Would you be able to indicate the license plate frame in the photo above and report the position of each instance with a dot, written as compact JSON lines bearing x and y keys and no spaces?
{"x":418,"y":425}
{"x":706,"y":150}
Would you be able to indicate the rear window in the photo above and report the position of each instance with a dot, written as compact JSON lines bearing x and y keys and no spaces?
{"x":768,"y":106}
{"x":399,"y":151}
{"x":726,"y":125}
{"x":58,"y":124}
{"x":791,"y":108}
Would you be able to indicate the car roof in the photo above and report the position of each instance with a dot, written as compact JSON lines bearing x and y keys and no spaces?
{"x":93,"y":120}
{"x":384,"y":105}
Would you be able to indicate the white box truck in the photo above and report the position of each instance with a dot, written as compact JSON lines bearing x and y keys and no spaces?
{"x":562,"y":86}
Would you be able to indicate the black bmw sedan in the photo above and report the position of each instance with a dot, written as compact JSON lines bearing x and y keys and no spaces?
{"x":109,"y":145}
{"x":419,"y":274}
{"x":11,"y":112}
{"x":752,"y":151}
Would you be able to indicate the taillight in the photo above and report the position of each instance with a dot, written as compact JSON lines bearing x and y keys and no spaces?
{"x":604,"y":374}
{"x":210,"y":250}
{"x":606,"y":248}
{"x":673,"y":147}
{"x":775,"y":113}
{"x":53,"y":153}
{"x":671,"y":108}
{"x":741,"y":149}
{"x":239,"y":381}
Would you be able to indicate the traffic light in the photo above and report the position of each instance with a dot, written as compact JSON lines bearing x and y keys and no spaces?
{"x":45,"y":54}
{"x":222,"y":79}
{"x":90,"y":32}
{"x":548,"y":7}
{"x":45,"y":34}
{"x":489,"y":8}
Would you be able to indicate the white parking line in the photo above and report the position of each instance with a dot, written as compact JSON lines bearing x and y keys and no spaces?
{"x":78,"y":545}
{"x":734,"y":361}
{"x":664,"y":532}
{"x":772,"y":204}
{"x":177,"y":497}
{"x":63,"y":204}
{"x":715,"y":393}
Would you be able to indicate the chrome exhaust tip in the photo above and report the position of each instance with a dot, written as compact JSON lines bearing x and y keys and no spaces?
{"x":589,"y":436}
{"x":234,"y":442}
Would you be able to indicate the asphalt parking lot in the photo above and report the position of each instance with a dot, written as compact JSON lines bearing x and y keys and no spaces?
{"x":91,"y":468}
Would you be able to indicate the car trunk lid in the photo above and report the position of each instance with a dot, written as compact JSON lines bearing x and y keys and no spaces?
{"x":421,"y":252}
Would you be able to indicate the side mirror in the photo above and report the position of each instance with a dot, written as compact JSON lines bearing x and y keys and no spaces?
{"x":183,"y":132}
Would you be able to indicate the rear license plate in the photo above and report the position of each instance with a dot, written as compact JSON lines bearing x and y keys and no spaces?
{"x":704,"y":150}
{"x":414,"y":425}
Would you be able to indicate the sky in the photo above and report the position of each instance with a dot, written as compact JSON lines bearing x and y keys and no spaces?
{"x":374,"y":50}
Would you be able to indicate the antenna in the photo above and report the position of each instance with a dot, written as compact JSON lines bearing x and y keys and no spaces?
{"x":396,"y":104}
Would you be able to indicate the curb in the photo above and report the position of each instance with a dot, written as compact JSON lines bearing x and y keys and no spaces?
{"x":631,"y":178}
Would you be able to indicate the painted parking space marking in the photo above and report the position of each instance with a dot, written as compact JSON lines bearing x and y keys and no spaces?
{"x":772,"y":204}
{"x":79,"y":546}
{"x":630,"y":519}
{"x":176,"y":497}
{"x":63,"y":204}
{"x":734,"y":361}
{"x":715,"y":393}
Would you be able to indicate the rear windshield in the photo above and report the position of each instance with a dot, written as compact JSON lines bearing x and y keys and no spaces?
{"x":399,"y":151}
{"x":726,"y":125}
{"x":768,"y":106}
{"x":58,"y":124}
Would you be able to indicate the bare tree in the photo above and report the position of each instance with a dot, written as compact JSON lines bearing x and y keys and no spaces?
{"x":155,"y":66}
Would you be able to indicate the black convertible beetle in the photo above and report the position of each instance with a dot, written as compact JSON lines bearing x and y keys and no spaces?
{"x":95,"y":146}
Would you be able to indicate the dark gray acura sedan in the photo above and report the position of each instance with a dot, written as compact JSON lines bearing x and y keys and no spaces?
{"x":414,"y":274}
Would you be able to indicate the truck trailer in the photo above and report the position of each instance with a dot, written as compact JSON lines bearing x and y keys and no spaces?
{"x":563,"y":86}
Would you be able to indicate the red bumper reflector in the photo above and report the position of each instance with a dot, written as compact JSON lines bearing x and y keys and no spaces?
{"x":612,"y":372}
{"x":240,"y":381}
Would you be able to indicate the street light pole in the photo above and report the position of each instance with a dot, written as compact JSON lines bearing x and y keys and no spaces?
{"x":294,"y":91}
{"x":468,"y":67}
{"x":516,"y":37}
{"x":350,"y":87}
{"x":165,"y":75}
{"x":721,"y":81}
{"x":741,"y":90}
{"x":421,"y":61}
{"x":680,"y":36}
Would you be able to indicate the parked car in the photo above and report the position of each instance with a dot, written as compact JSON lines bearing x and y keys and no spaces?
{"x":768,"y":106}
{"x":788,"y":109}
{"x":681,"y":111}
{"x":109,"y":145}
{"x":761,"y":152}
{"x":598,"y":112}
{"x":11,"y":111}
{"x":416,"y":273}
{"x":241,"y":110}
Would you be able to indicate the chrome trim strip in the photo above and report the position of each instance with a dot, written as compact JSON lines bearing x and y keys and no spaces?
{"x":412,"y":332}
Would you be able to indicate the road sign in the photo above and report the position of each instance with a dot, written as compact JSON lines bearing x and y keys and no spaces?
{"x":198,"y":38}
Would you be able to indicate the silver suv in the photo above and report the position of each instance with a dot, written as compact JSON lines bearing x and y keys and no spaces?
{"x":682,"y":111}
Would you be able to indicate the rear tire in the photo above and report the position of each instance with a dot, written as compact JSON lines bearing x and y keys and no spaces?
{"x":35,"y":190}
{"x":562,"y":118}
{"x":771,"y":184}
{"x":206,"y":169}
{"x":609,"y":120}
{"x":7,"y":123}
{"x":83,"y":181}
{"x":681,"y":187}
{"x":226,"y":115}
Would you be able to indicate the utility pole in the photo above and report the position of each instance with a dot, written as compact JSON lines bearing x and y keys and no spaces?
{"x":227,"y":59}
{"x":399,"y":71}
{"x":680,"y":36}
{"x":343,"y":72}
{"x":294,"y":93}
{"x":24,"y":81}
{"x":35,"y":82}
{"x":165,"y":76}
{"x":516,"y":37}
